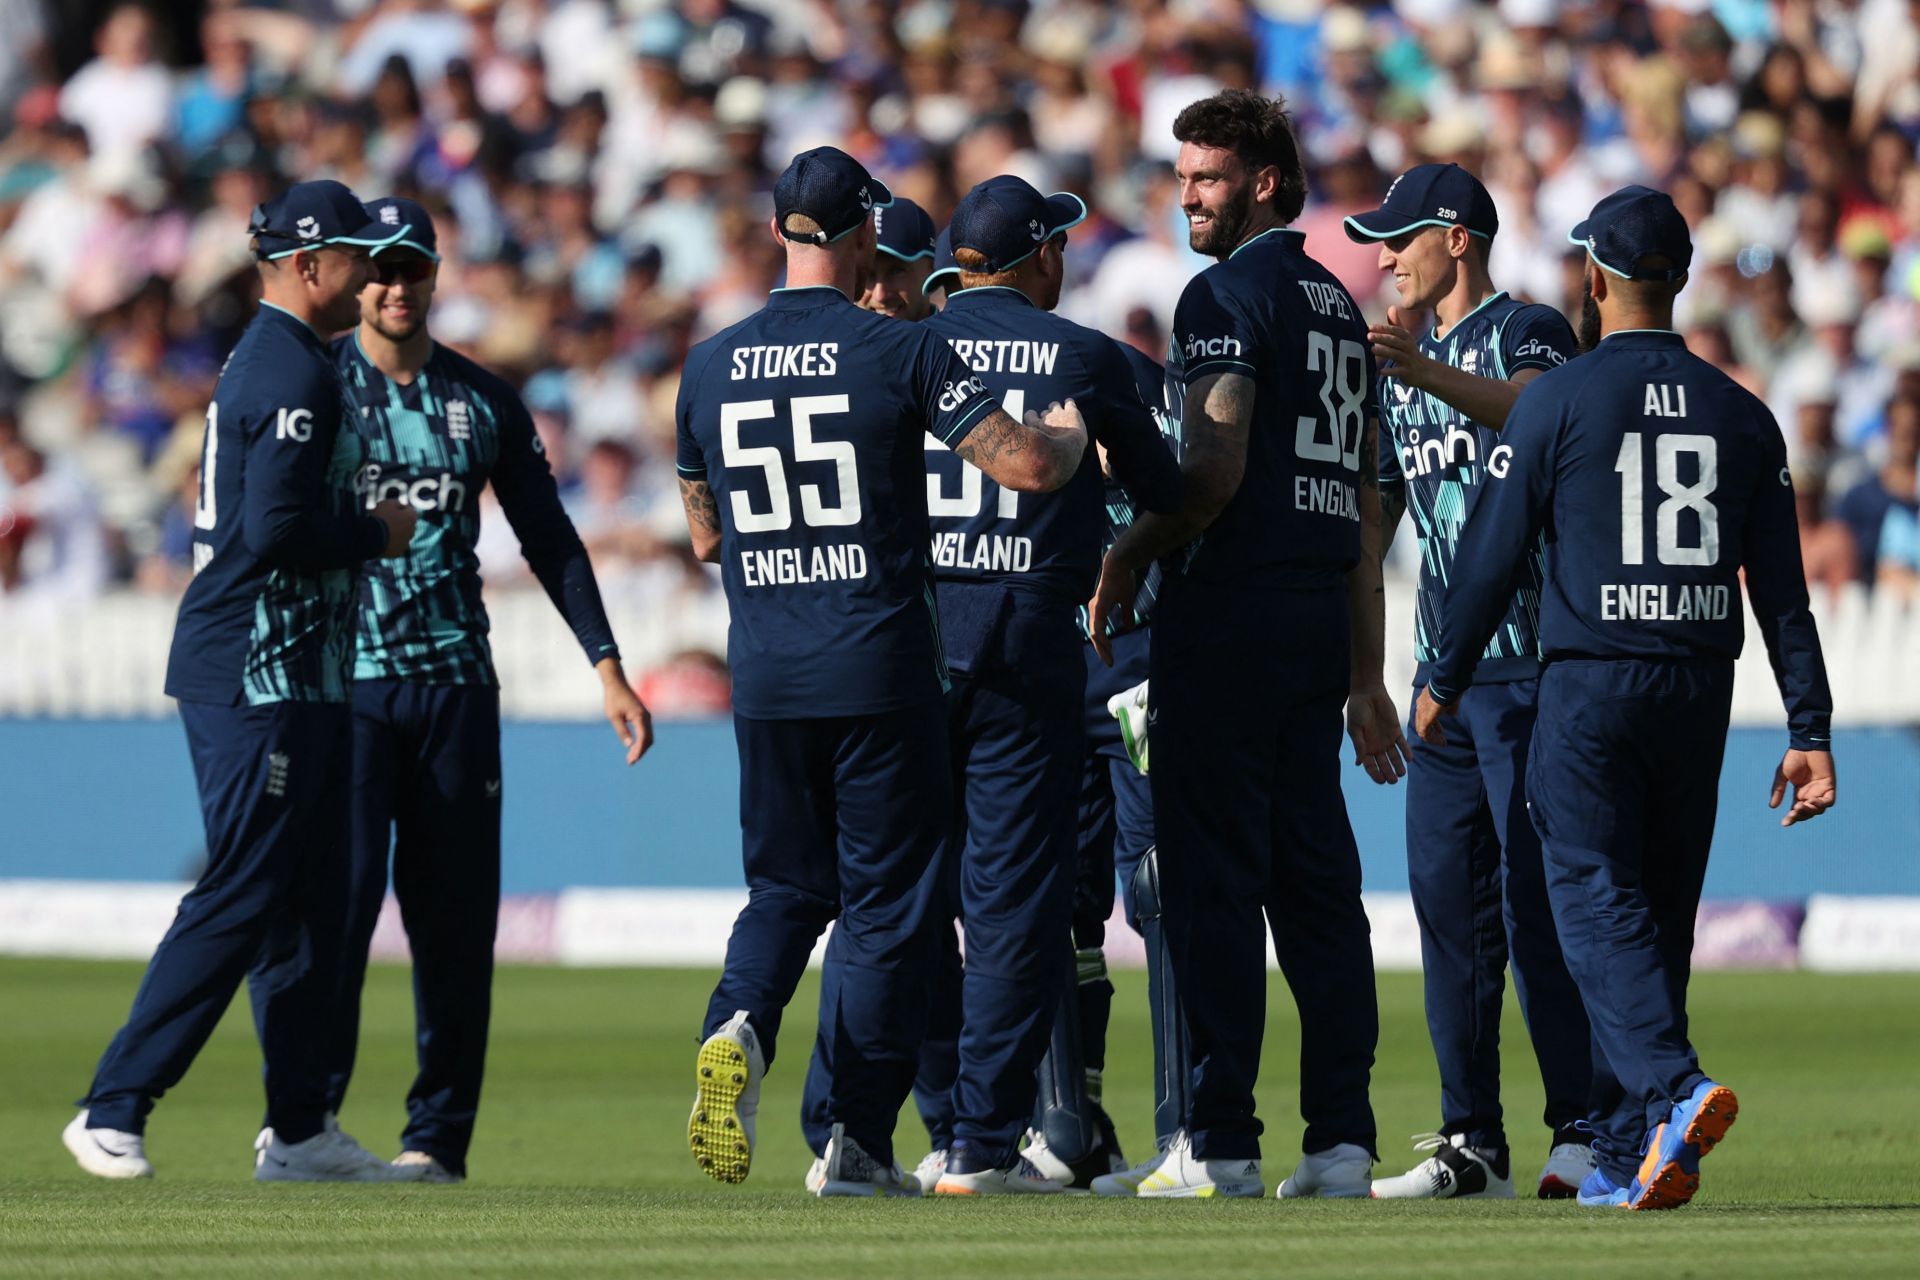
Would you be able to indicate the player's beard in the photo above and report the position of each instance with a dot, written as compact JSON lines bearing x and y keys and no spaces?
{"x":1228,"y":227}
{"x":1589,"y":335}
{"x":397,"y":332}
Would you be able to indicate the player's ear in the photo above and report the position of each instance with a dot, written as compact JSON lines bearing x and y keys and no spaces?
{"x":1266,"y":183}
{"x":1459,"y":240}
{"x":1597,"y":283}
{"x":773,"y":229}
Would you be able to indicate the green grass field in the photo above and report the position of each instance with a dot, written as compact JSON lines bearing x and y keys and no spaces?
{"x":580,"y":1169}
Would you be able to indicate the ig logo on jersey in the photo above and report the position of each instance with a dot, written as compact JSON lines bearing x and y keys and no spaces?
{"x":1500,"y":461}
{"x":295,"y":425}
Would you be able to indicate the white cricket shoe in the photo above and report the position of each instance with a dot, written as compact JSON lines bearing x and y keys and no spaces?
{"x":931,"y":1166}
{"x":1568,"y":1163}
{"x":1104,"y":1159}
{"x":1127,"y":1182}
{"x":328,"y":1156}
{"x":1455,"y":1171}
{"x":1184,"y":1176}
{"x":431,"y":1168}
{"x":816,"y":1175}
{"x":106,"y":1153}
{"x":726,"y":1096}
{"x":1018,"y":1179}
{"x":1339,"y":1173}
{"x":847,"y":1170}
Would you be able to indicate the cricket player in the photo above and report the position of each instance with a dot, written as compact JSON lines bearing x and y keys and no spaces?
{"x":802,"y":471}
{"x":1012,"y":573}
{"x":1657,"y":482}
{"x":1473,"y":860}
{"x":435,"y":429}
{"x":1269,"y":620}
{"x":261,"y":657}
{"x":904,"y":236}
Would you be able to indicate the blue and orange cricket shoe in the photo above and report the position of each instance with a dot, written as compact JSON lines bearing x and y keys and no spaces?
{"x":1670,"y":1174}
{"x":1597,"y":1191}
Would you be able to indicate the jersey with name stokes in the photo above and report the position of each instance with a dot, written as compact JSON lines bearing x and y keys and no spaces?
{"x":1030,"y":358}
{"x":268,"y":616}
{"x":1272,"y":314}
{"x":807,"y":420}
{"x":434,"y":444}
{"x":1658,"y":481}
{"x":1440,"y":460}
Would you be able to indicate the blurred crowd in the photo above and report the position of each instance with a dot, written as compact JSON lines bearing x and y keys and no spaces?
{"x":600,"y":173}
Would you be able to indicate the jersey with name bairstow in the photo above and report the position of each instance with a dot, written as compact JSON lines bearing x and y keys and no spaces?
{"x":1273,"y":314}
{"x":434,"y":444}
{"x":1658,"y":481}
{"x":808,"y":421}
{"x":268,"y":616}
{"x":1440,"y":460}
{"x":1047,"y":543}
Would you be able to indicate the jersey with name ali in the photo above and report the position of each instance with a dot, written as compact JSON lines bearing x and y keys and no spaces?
{"x":434,"y":444}
{"x":807,"y":419}
{"x":1047,"y":543}
{"x":1658,"y":481}
{"x":1440,"y":460}
{"x":1273,"y":314}
{"x":268,"y":616}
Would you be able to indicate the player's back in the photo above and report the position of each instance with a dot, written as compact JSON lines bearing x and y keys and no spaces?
{"x":1664,"y":472}
{"x":1047,"y":543}
{"x":249,"y":626}
{"x":807,"y":420}
{"x":1271,"y":313}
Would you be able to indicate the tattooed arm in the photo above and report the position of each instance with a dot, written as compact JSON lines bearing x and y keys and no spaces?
{"x":703,"y":518}
{"x":1214,"y":434}
{"x":1035,"y":456}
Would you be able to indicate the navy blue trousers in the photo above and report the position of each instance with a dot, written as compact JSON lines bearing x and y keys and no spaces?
{"x":1473,"y":863}
{"x":841,"y":817}
{"x":273,"y":796}
{"x":1247,"y":708}
{"x":1625,"y":781}
{"x":426,"y":795}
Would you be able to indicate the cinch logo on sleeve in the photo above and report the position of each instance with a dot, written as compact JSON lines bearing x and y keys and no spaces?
{"x":1539,"y":350}
{"x":958,"y":393}
{"x":294,"y":424}
{"x":1195,"y":347}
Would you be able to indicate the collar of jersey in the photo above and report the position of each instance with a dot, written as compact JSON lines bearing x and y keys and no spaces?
{"x":1496,"y":296}
{"x":1656,"y":337}
{"x":378,"y":372}
{"x":1270,"y":231}
{"x":989,"y":293}
{"x":795,"y":297}
{"x":269,"y":308}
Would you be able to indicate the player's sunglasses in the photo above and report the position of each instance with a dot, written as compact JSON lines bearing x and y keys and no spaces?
{"x":402,"y":270}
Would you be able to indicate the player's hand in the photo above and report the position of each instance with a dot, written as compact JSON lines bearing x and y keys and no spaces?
{"x":1062,"y":420}
{"x":625,"y":712}
{"x":399,"y":519}
{"x":1814,"y":787}
{"x":1119,"y":582}
{"x":1379,"y":744}
{"x":1398,"y":350}
{"x":1426,"y":718}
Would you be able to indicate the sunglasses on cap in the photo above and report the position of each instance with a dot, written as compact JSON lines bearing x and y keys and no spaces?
{"x":409,"y":270}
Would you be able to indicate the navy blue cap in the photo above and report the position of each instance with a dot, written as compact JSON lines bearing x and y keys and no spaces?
{"x":946,"y":272}
{"x":1635,"y":223}
{"x":1428,"y":195}
{"x":904,"y":230}
{"x":1005,"y":219}
{"x":831,"y":187}
{"x":311,"y":214}
{"x":414,"y":222}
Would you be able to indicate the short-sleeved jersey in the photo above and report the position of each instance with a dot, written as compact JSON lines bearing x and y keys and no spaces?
{"x":1657,"y":481}
{"x":1273,"y":314}
{"x":434,"y":444}
{"x":1438,"y":458}
{"x":268,"y":616}
{"x":808,"y":419}
{"x":1046,"y":543}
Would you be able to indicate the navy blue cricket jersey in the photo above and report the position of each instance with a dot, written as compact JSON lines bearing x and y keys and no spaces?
{"x":808,"y":420}
{"x":1274,"y":314}
{"x":434,"y":444}
{"x":1657,"y":480}
{"x":1438,"y":458}
{"x":1047,"y":543}
{"x":268,"y":616}
{"x":1151,"y":379}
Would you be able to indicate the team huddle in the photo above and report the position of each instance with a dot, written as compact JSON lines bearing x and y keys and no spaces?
{"x":1020,"y":620}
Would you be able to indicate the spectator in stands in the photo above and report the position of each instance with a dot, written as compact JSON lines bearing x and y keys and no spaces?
{"x":124,"y":97}
{"x":52,"y":548}
{"x":1880,"y":511}
{"x":1826,"y":546}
